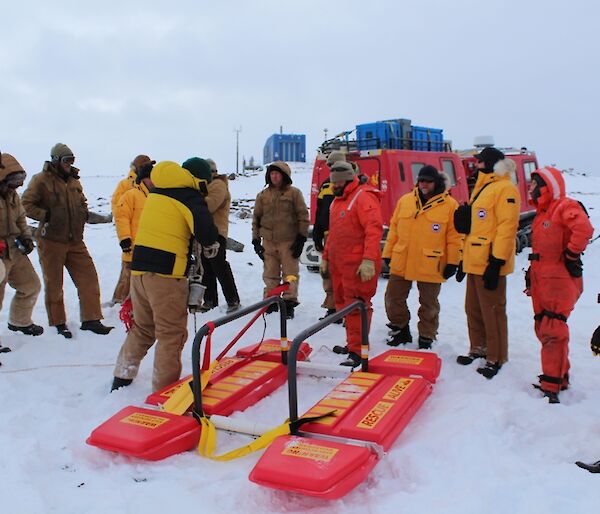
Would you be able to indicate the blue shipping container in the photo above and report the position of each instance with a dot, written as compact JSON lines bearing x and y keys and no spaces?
{"x":427,"y":139}
{"x":381,"y":134}
{"x":285,"y":147}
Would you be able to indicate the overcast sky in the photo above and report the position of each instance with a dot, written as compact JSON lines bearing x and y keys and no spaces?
{"x":113,"y":79}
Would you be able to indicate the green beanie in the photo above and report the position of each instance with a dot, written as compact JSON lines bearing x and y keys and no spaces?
{"x":199,"y":168}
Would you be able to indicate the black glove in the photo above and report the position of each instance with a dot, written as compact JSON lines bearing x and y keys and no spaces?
{"x":449,"y":271}
{"x":318,"y":240}
{"x":460,"y":274}
{"x":573,"y":263}
{"x":27,"y":244}
{"x":125,"y":245}
{"x":595,"y":343}
{"x":387,"y":261}
{"x":297,"y":246}
{"x":258,"y":248}
{"x":492,"y":273}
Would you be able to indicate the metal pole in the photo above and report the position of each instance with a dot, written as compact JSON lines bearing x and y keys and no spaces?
{"x":237,"y":149}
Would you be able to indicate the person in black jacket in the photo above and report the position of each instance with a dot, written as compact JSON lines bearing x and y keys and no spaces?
{"x":321,"y":228}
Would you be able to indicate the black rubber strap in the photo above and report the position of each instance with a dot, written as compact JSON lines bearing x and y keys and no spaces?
{"x":551,"y":315}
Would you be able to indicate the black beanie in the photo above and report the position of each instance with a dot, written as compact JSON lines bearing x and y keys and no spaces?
{"x":429,"y":173}
{"x":489,"y":156}
{"x":199,"y":168}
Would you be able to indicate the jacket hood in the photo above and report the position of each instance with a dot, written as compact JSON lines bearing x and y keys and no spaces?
{"x":169,"y":174}
{"x":8,"y":165}
{"x":554,"y":188}
{"x":505,"y":167}
{"x":50,"y":168}
{"x":283,"y":168}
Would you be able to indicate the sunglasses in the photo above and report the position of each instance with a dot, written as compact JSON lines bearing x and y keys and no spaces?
{"x":429,"y":181}
{"x":67,"y":159}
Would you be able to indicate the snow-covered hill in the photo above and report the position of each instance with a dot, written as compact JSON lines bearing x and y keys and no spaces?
{"x":476,"y":445}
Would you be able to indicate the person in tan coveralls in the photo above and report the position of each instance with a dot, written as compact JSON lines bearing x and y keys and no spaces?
{"x":174,"y":214}
{"x":281,"y":220}
{"x":15,"y":243}
{"x":55,"y":198}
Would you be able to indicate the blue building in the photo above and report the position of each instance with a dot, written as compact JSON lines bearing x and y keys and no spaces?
{"x":285,"y":147}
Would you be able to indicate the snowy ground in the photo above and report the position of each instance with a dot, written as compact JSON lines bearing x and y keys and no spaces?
{"x":475,"y":446}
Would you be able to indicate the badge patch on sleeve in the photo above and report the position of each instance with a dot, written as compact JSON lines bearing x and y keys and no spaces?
{"x":481,"y":214}
{"x":511,"y":200}
{"x":435,"y":227}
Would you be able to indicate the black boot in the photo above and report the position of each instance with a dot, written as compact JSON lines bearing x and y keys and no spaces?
{"x":120,"y":382}
{"x":29,"y":330}
{"x":399,"y":335}
{"x":490,"y":370}
{"x":352,"y":361}
{"x":290,"y":305}
{"x":207,"y":306}
{"x":272,"y":308}
{"x":4,"y":349}
{"x":425,"y":343}
{"x":592,"y":468}
{"x":550,"y":395}
{"x":232,"y":307}
{"x":331,"y":312}
{"x":96,"y":327}
{"x":465,"y":360}
{"x":64,"y":331}
{"x":340,"y":350}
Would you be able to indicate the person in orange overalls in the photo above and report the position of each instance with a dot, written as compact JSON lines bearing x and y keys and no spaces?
{"x":352,"y":253}
{"x":560,"y":233}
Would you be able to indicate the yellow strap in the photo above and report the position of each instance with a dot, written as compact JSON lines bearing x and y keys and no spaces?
{"x":208,"y":441}
{"x":183,"y":397}
{"x":208,"y":438}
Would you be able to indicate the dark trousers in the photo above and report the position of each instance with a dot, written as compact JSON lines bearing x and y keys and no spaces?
{"x":219,"y":268}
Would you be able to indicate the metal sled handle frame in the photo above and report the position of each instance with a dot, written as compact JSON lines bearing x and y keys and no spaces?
{"x":305,"y":334}
{"x":207,"y":327}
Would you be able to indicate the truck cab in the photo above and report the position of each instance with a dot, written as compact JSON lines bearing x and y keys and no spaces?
{"x":391,"y":165}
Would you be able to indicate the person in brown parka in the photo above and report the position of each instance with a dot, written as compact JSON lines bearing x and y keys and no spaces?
{"x":279,"y":231}
{"x":55,"y":198}
{"x":218,"y":201}
{"x":15,"y":244}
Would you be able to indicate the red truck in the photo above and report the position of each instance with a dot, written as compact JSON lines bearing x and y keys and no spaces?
{"x":393,"y":172}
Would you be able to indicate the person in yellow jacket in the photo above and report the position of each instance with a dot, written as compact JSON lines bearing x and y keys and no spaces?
{"x":490,"y":223}
{"x":141,"y":165}
{"x":127,"y":218}
{"x":423,"y":246}
{"x":173,"y":214}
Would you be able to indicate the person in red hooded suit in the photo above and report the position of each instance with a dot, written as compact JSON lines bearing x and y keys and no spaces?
{"x":352,"y":253}
{"x":560,"y":233}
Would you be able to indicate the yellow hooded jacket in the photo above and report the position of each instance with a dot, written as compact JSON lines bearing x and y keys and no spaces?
{"x":494,"y":223}
{"x":422,"y":239}
{"x":174,"y":212}
{"x":124,"y":185}
{"x":128,"y":213}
